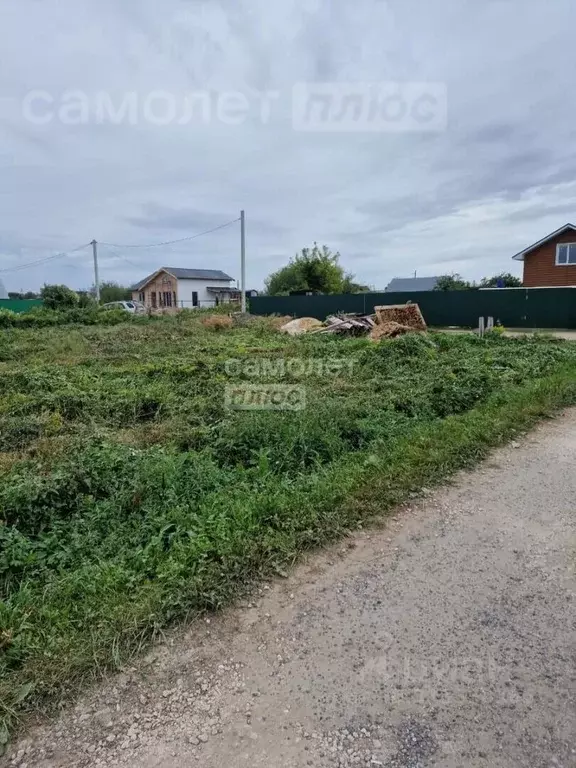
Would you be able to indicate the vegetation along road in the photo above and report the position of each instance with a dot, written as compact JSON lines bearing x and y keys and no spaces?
{"x":445,"y":639}
{"x":133,"y":499}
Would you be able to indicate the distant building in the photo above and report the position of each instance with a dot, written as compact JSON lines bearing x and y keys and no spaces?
{"x":550,"y":262}
{"x":411,"y":284}
{"x":185,"y":288}
{"x":3,"y":291}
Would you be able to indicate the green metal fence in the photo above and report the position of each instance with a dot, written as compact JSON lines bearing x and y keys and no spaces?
{"x":20,"y":305}
{"x":513,"y":307}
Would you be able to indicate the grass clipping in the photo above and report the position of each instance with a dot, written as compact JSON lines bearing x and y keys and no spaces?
{"x":167,"y":503}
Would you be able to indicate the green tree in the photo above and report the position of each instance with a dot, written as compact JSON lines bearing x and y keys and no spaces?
{"x":350,"y":286}
{"x":314,"y":269}
{"x":86,"y":299}
{"x":505,"y":278}
{"x":453,"y":282}
{"x":59,"y":297}
{"x":111,"y":291}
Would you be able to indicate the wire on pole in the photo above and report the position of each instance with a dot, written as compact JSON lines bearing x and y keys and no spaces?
{"x":45,"y":259}
{"x":170,"y":242}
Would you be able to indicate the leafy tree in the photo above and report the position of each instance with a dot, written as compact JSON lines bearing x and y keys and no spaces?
{"x":59,"y":297}
{"x":314,"y":269}
{"x":453,"y":282}
{"x":505,"y":278}
{"x":86,"y":299}
{"x":111,"y":291}
{"x":350,"y":286}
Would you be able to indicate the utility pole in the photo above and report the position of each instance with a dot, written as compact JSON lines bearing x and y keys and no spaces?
{"x":94,"y":245}
{"x":243,"y":260}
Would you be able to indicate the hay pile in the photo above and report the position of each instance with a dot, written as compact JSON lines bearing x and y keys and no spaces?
{"x":389,"y":330}
{"x":217,"y":322}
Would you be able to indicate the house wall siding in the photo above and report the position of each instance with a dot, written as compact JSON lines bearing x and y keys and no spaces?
{"x":163,"y":282}
{"x":540,"y":267}
{"x":184,"y":289}
{"x":205,"y":298}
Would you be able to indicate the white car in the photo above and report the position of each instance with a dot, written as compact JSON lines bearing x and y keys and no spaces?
{"x":134,"y":307}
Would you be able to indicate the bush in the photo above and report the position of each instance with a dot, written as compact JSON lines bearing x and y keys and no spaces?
{"x":59,"y":297}
{"x":7,"y":318}
{"x":43,"y":317}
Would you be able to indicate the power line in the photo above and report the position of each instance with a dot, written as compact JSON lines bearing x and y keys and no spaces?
{"x":44,"y":259}
{"x":117,"y":255}
{"x":171,"y":242}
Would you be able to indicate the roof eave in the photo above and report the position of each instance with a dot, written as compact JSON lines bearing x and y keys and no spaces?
{"x":147,"y":280}
{"x":521,"y":254}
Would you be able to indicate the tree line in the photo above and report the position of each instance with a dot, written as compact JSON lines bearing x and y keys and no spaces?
{"x":65,"y":297}
{"x":318,"y":270}
{"x":313,"y":270}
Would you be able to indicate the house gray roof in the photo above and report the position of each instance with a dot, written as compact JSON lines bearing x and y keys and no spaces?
{"x":407,"y":284}
{"x":181,"y":273}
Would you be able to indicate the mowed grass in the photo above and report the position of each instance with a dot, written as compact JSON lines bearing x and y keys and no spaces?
{"x":131,"y":496}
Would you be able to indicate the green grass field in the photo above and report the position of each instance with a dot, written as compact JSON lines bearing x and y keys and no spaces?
{"x":131,"y":496}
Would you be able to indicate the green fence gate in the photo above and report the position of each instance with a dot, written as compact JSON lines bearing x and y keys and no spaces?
{"x":513,"y":307}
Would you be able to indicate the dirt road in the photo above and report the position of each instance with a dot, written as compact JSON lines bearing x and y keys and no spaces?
{"x":446,"y":639}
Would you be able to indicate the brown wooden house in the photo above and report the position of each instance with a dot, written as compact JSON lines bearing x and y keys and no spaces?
{"x":551,"y":262}
{"x":176,"y":287}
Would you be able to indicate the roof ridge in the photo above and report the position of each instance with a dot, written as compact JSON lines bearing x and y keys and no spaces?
{"x":520,"y":255}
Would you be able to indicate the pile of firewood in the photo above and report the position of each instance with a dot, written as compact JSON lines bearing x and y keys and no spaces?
{"x":386,"y":322}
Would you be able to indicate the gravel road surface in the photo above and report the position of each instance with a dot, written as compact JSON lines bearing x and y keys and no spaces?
{"x":446,"y":638}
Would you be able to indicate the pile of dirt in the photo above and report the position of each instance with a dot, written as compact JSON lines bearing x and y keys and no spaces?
{"x":301,"y":325}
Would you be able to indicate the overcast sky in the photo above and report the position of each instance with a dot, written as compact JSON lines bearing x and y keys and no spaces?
{"x":493,"y":171}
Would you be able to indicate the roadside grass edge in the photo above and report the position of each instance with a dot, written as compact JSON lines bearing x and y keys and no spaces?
{"x":350,"y":493}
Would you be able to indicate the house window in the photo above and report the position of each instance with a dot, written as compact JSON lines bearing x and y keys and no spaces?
{"x":194,"y":298}
{"x":565,"y":254}
{"x":153,"y":299}
{"x":142,"y":297}
{"x":166,"y":298}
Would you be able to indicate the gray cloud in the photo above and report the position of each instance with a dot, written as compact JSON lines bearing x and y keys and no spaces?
{"x":564,"y":211}
{"x":465,"y":199}
{"x":161,"y":218}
